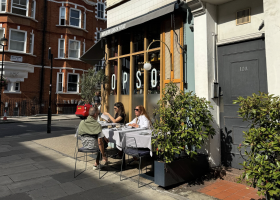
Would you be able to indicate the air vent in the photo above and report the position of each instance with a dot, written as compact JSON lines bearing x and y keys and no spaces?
{"x":243,"y":16}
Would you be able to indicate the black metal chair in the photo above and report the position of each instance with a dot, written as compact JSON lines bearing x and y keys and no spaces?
{"x":85,"y":151}
{"x":132,"y":150}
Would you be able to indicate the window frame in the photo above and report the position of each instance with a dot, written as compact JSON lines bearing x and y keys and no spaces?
{"x":1,"y":28}
{"x":58,"y":54}
{"x":1,"y":6}
{"x":97,"y":33}
{"x":57,"y":82}
{"x":84,"y":48}
{"x":78,"y":79}
{"x":32,"y":45}
{"x":79,"y":53}
{"x":62,"y":7}
{"x":18,"y":90}
{"x":10,"y":36}
{"x":85,"y":21}
{"x":34,"y":11}
{"x":100,"y":3}
{"x":80,"y":19}
{"x":27,"y":8}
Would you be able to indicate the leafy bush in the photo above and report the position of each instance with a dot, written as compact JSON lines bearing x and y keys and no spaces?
{"x":184,"y":119}
{"x":262,"y":166}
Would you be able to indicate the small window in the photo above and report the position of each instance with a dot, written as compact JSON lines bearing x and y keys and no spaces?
{"x":17,"y":40}
{"x":61,"y":46}
{"x":74,"y":49}
{"x":101,"y":10}
{"x":31,"y":44}
{"x":98,"y":36}
{"x":3,"y":5}
{"x":59,"y":83}
{"x":72,"y":85}
{"x":20,"y":7}
{"x":17,"y":87}
{"x":33,"y":9}
{"x":75,"y":17}
{"x":243,"y":16}
{"x":85,"y":21}
{"x":62,"y":18}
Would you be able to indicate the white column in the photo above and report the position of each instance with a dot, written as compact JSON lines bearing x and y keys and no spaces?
{"x":272,"y":44}
{"x":12,"y":86}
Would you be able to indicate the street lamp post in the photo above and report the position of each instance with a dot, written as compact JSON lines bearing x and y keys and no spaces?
{"x":3,"y":43}
{"x":148,"y":66}
{"x":50,"y":94}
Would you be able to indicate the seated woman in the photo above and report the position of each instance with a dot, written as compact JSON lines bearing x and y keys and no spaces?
{"x":120,"y":113}
{"x":142,"y":119}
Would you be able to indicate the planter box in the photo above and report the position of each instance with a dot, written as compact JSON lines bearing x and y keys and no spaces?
{"x":179,"y":171}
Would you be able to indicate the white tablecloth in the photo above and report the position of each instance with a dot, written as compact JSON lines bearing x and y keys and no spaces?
{"x":116,"y":137}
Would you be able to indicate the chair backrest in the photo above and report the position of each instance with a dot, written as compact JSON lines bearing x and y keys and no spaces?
{"x":130,"y":142}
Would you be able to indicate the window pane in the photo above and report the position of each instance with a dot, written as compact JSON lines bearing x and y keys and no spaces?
{"x":73,"y":78}
{"x":72,"y":87}
{"x":74,"y":45}
{"x":99,"y":6}
{"x":125,"y":75}
{"x":99,"y":14}
{"x":74,"y":22}
{"x":1,"y":33}
{"x":18,"y":11}
{"x":23,"y":2}
{"x":61,"y":53}
{"x":19,"y":36}
{"x":17,"y":46}
{"x":74,"y":54}
{"x":62,"y":21}
{"x":3,"y":7}
{"x":33,"y":9}
{"x":75,"y":13}
{"x":62,"y":13}
{"x":60,"y":78}
{"x":16,"y":1}
{"x":138,"y":74}
{"x":102,"y":15}
{"x":59,"y":87}
{"x":61,"y":45}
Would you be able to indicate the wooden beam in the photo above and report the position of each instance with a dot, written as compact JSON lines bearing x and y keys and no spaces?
{"x":119,"y":70}
{"x":131,"y":77}
{"x":145,"y":72}
{"x":181,"y":55}
{"x":172,"y":52}
{"x":106,"y":92}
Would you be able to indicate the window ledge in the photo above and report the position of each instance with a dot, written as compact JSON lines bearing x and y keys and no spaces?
{"x":104,"y":19}
{"x":74,"y":59}
{"x":10,"y":92}
{"x":69,"y":26}
{"x":9,"y":13}
{"x":19,"y":52}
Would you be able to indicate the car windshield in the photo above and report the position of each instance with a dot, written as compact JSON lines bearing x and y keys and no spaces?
{"x":81,"y":103}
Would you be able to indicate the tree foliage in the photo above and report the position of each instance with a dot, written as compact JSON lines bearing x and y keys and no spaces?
{"x":184,"y":119}
{"x":262,"y":142}
{"x":90,"y":83}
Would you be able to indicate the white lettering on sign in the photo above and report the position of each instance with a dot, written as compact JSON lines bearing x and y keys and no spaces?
{"x":154,"y":82}
{"x":124,"y":79}
{"x":113,"y":84}
{"x":112,"y":30}
{"x":16,"y":58}
{"x":138,"y":85}
{"x":243,"y":69}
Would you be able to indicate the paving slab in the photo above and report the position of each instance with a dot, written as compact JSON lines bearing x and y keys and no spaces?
{"x":21,"y":196}
{"x":4,"y":180}
{"x":18,"y":169}
{"x":70,"y":188}
{"x":4,"y":191}
{"x":53,"y":192}
{"x":6,"y":159}
{"x":30,"y":175}
{"x":17,"y":162}
{"x":4,"y":149}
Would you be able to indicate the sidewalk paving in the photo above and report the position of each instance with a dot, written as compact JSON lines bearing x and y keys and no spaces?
{"x":34,"y":118}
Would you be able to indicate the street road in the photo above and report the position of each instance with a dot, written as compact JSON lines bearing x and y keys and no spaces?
{"x":12,"y":129}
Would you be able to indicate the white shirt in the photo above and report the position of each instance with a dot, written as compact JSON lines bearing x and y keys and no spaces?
{"x":142,"y":121}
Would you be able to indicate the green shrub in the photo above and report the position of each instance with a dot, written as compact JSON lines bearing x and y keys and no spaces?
{"x":183,"y":119}
{"x":262,"y":166}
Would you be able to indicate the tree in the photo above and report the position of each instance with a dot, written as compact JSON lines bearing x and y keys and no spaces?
{"x":90,"y":83}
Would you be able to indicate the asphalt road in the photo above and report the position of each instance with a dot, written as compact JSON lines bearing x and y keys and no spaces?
{"x":12,"y":129}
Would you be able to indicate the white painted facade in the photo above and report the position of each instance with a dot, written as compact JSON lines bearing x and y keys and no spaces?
{"x":133,"y":9}
{"x":219,"y":17}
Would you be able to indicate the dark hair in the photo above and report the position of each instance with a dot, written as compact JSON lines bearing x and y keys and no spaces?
{"x":120,"y":106}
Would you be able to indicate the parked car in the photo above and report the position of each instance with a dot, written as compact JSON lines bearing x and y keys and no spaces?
{"x":82,"y":109}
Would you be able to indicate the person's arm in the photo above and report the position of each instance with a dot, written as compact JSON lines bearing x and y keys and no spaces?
{"x":144,"y":122}
{"x":132,"y":122}
{"x":119,"y":118}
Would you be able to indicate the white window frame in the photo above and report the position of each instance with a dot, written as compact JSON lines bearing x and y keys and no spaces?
{"x":33,"y":14}
{"x":102,"y":11}
{"x":98,"y":32}
{"x":10,"y":36}
{"x":85,"y":21}
{"x":79,"y":53}
{"x":32,"y":45}
{"x":59,"y":47}
{"x":84,"y":48}
{"x":57,"y":82}
{"x":18,"y":90}
{"x":79,"y":18}
{"x":1,"y":36}
{"x":1,"y":6}
{"x":27,"y":8}
{"x":60,"y":11}
{"x":78,"y":87}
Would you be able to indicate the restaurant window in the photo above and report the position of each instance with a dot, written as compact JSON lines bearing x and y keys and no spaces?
{"x":113,"y":77}
{"x":74,"y":49}
{"x":75,"y":17}
{"x":59,"y":83}
{"x":153,"y":33}
{"x":20,"y":7}
{"x":113,"y":45}
{"x":138,"y":74}
{"x":100,"y":10}
{"x":138,"y":39}
{"x":125,"y":43}
{"x":154,"y":73}
{"x":17,"y":40}
{"x":62,"y":18}
{"x":33,"y":9}
{"x":125,"y":76}
{"x":61,"y":45}
{"x":3,"y":5}
{"x":73,"y":83}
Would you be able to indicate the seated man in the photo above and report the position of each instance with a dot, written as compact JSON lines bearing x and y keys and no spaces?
{"x":91,"y":135}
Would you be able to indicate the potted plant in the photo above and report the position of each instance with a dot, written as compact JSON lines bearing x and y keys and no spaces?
{"x":4,"y":81}
{"x":183,"y":125}
{"x":262,"y":143}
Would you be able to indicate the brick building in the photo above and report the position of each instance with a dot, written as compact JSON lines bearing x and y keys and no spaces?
{"x":70,"y":28}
